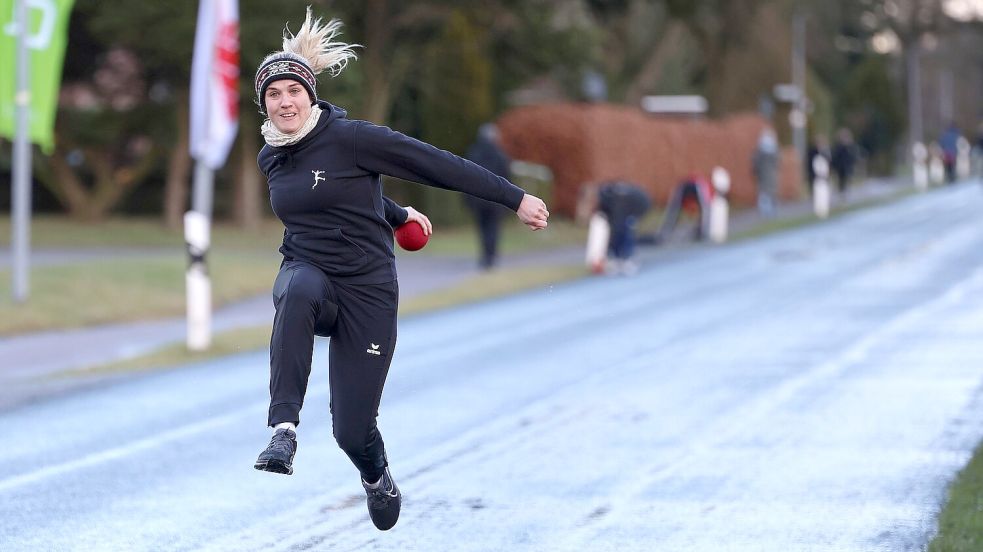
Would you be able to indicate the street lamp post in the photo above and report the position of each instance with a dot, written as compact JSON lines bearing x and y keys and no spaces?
{"x":21,"y":191}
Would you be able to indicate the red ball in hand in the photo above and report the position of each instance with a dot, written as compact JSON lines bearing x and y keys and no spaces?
{"x":410,"y":236}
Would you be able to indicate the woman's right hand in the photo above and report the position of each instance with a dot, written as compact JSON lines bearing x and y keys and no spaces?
{"x":532,"y":212}
{"x":419,"y":218}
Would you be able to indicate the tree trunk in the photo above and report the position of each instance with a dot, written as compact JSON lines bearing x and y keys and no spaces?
{"x":246,"y":202}
{"x":377,"y":82}
{"x":66,"y":185}
{"x":109,"y":183}
{"x":113,"y":183}
{"x":913,"y":74}
{"x":178,"y":169}
{"x":648,"y":75}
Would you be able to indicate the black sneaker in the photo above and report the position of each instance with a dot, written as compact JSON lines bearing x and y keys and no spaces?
{"x":279,"y":454}
{"x":384,"y":502}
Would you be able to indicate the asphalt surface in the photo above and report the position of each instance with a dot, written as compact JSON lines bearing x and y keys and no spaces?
{"x":813,"y":390}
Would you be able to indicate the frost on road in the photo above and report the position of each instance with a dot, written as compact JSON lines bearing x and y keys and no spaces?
{"x":814,"y":390}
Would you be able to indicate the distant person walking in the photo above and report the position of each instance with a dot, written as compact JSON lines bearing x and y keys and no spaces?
{"x":949,"y":142}
{"x":765,"y":166}
{"x":487,"y":152}
{"x":338,"y":274}
{"x":844,"y":159}
{"x":978,"y":151}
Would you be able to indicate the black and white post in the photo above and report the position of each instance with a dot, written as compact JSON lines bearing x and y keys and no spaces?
{"x":199,"y":287}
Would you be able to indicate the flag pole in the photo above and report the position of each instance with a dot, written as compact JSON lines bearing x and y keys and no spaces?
{"x":214,"y":109}
{"x":21,"y":191}
{"x":203,"y":189}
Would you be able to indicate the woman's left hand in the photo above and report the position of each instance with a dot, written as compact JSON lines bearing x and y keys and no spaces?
{"x":533,"y":212}
{"x":417,"y":216}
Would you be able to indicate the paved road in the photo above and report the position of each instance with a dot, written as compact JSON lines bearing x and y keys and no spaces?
{"x":814,"y":390}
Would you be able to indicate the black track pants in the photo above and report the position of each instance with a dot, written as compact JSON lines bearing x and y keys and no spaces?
{"x":361,"y":321}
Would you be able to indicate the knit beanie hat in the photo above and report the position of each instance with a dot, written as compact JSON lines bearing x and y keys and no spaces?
{"x":284,"y":65}
{"x":303,"y":56}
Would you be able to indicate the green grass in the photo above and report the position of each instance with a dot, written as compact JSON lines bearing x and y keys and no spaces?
{"x":125,"y":289}
{"x":60,"y":232}
{"x":481,"y":287}
{"x":514,"y":238}
{"x":242,"y":264}
{"x":962,"y":519}
{"x":236,"y":341}
{"x":781,"y":224}
{"x":492,"y":284}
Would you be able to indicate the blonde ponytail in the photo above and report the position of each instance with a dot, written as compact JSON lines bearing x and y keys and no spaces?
{"x":314,"y":43}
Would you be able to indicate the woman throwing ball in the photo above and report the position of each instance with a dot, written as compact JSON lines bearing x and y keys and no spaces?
{"x":338,"y":275}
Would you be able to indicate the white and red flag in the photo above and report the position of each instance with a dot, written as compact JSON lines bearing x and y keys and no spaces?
{"x":215,"y":82}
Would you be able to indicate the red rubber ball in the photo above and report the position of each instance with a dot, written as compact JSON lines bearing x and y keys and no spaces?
{"x":410,"y":236}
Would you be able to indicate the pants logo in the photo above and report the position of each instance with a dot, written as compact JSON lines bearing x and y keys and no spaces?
{"x":374,"y":350}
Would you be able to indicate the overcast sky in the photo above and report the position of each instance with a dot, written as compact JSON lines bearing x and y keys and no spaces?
{"x":965,"y":9}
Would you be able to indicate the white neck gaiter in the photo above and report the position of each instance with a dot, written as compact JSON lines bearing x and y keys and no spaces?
{"x":276,"y":138}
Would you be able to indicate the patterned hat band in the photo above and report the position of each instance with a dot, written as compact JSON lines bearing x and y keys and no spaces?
{"x":284,"y":68}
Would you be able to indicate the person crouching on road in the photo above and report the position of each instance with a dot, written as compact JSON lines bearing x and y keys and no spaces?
{"x":338,"y":274}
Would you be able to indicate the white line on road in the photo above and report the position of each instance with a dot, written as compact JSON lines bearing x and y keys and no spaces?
{"x":126,"y":450}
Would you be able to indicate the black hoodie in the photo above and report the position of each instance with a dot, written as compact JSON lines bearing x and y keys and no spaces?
{"x":327,"y":191}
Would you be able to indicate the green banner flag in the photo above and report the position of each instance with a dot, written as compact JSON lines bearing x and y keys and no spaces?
{"x":47,"y":26}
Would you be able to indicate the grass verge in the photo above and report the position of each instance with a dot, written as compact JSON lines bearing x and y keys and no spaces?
{"x":125,"y":289}
{"x":50,"y":231}
{"x":482,"y":287}
{"x":61,"y":232}
{"x":135,"y":268}
{"x":962,"y":518}
{"x":781,"y":224}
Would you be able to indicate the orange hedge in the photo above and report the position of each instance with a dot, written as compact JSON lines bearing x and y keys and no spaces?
{"x":584,"y":143}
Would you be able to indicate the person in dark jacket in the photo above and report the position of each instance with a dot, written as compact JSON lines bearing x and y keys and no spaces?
{"x":623,"y":204}
{"x":843,"y":159}
{"x":486,"y":152}
{"x":764,"y":163}
{"x":949,"y":142}
{"x":338,"y":274}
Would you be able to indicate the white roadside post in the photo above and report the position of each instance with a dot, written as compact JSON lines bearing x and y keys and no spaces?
{"x":936,"y":169}
{"x":919,"y":169}
{"x":719,"y":209}
{"x":820,"y":186}
{"x":963,"y":165}
{"x":598,"y":236}
{"x":199,"y":287}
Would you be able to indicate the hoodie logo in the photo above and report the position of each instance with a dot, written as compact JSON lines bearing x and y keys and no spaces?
{"x":374,"y":350}
{"x":317,"y":177}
